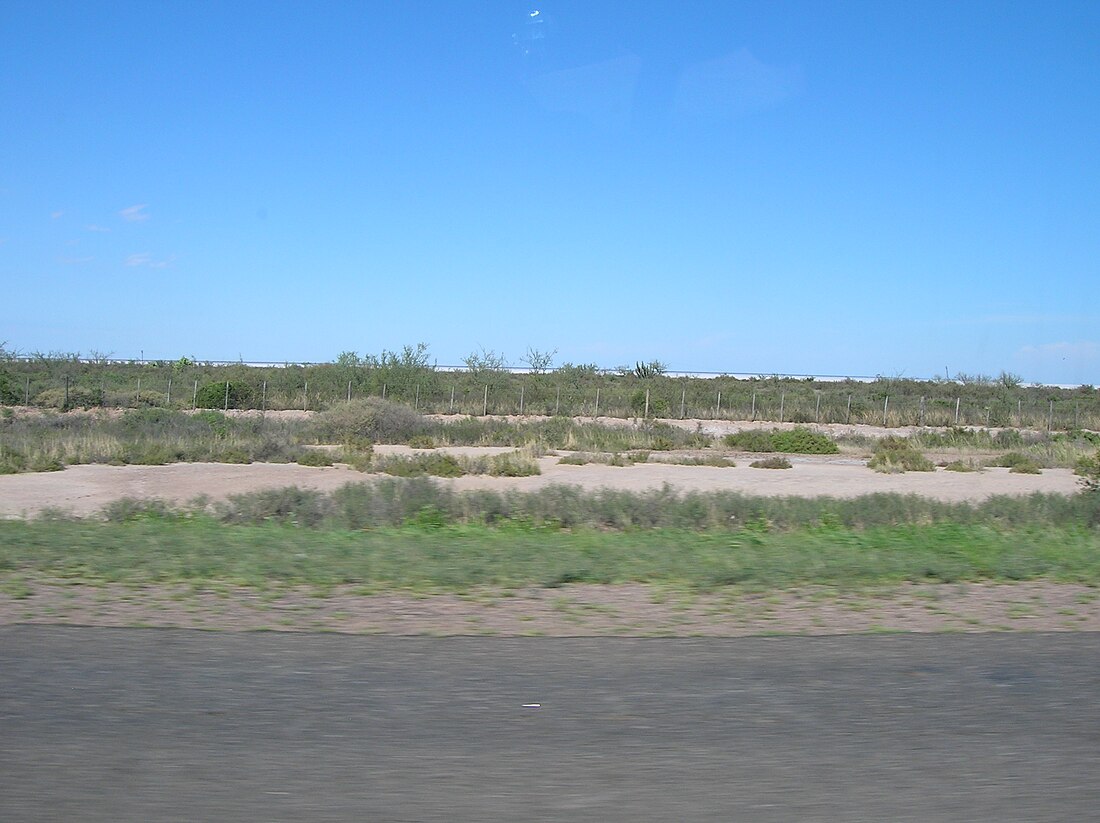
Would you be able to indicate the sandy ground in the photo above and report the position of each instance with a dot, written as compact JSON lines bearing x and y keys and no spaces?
{"x":84,"y":490}
{"x":627,"y":610}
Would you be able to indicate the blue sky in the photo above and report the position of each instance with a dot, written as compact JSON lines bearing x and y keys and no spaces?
{"x":782,"y":187}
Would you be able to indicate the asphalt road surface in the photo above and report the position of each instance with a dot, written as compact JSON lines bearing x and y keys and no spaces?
{"x":152,"y":725}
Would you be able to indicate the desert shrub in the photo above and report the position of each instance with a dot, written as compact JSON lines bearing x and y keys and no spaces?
{"x":714,"y":460}
{"x":231,"y":454}
{"x":802,"y":441}
{"x":146,"y":453}
{"x":771,"y":463}
{"x":658,"y":406}
{"x":79,"y":398}
{"x":147,"y":398}
{"x":501,"y":465}
{"x":796,"y":441}
{"x":12,"y":462}
{"x":614,"y":459}
{"x":422,"y":441}
{"x":750,"y":440}
{"x":960,"y":466}
{"x":897,"y":454}
{"x":213,"y":395}
{"x":370,"y":418}
{"x":290,"y":505}
{"x":435,"y":464}
{"x":314,"y":457}
{"x":1016,"y":462}
{"x":1088,"y":469}
{"x":129,"y":509}
{"x":9,"y":394}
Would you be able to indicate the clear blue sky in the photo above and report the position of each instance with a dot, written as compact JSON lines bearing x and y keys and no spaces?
{"x":891,"y":188}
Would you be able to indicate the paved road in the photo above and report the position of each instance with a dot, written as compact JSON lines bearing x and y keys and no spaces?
{"x":146,"y":725}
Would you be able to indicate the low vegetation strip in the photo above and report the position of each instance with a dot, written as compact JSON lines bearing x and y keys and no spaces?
{"x":389,"y":502}
{"x":456,"y":558}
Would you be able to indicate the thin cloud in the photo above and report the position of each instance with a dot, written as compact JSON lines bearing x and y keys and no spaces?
{"x":94,"y":227}
{"x":735,"y":84}
{"x":1081,"y":350}
{"x":146,"y":259}
{"x":74,"y":261}
{"x":134,"y":214}
{"x":55,"y":214}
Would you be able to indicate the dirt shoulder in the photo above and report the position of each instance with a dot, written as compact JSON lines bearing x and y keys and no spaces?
{"x":631,"y":610}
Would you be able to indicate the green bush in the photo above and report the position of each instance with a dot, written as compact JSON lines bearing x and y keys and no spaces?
{"x":435,"y":464}
{"x":750,"y":440}
{"x":1015,"y":462}
{"x":802,"y":441}
{"x":1088,"y":469}
{"x":960,"y":466}
{"x":315,"y":457}
{"x":213,"y":395}
{"x":796,"y":441}
{"x":371,"y":418}
{"x":897,"y":454}
{"x":12,"y":462}
{"x":79,"y":398}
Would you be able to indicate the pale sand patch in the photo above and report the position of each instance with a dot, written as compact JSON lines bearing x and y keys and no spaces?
{"x":84,"y":490}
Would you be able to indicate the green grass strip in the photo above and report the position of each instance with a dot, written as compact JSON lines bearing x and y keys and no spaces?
{"x":456,"y":558}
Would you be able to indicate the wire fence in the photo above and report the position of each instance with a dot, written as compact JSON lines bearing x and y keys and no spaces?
{"x":576,"y":392}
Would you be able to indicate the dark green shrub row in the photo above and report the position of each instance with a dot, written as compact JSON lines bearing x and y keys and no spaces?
{"x":795,"y":441}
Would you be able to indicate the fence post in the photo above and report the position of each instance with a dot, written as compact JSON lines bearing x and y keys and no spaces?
{"x":168,"y":401}
{"x":66,"y":406}
{"x":683,"y":402}
{"x":1076,"y":414}
{"x":521,"y":398}
{"x":349,"y":391}
{"x":922,"y":410}
{"x":1050,"y":418}
{"x":885,"y":406}
{"x":647,"y":404}
{"x":817,"y":411}
{"x":226,"y":396}
{"x":596,"y":416}
{"x":27,"y":393}
{"x":1019,"y":412}
{"x":137,"y":396}
{"x":485,"y":402}
{"x":752,"y":417}
{"x":416,"y":403}
{"x":718,"y":408}
{"x":195,"y":395}
{"x":383,"y":391}
{"x":557,"y":401}
{"x":305,"y":395}
{"x":782,"y":399}
{"x":263,"y":398}
{"x":958,"y":401}
{"x":848,"y":414}
{"x":452,"y":408}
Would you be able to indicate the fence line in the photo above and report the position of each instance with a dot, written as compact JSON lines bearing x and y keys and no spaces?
{"x":607,"y":396}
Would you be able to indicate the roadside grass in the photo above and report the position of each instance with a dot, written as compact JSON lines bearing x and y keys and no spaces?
{"x":200,"y":550}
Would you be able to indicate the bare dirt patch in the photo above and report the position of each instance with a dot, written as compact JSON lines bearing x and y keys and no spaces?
{"x":85,"y":490}
{"x":631,"y":610}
